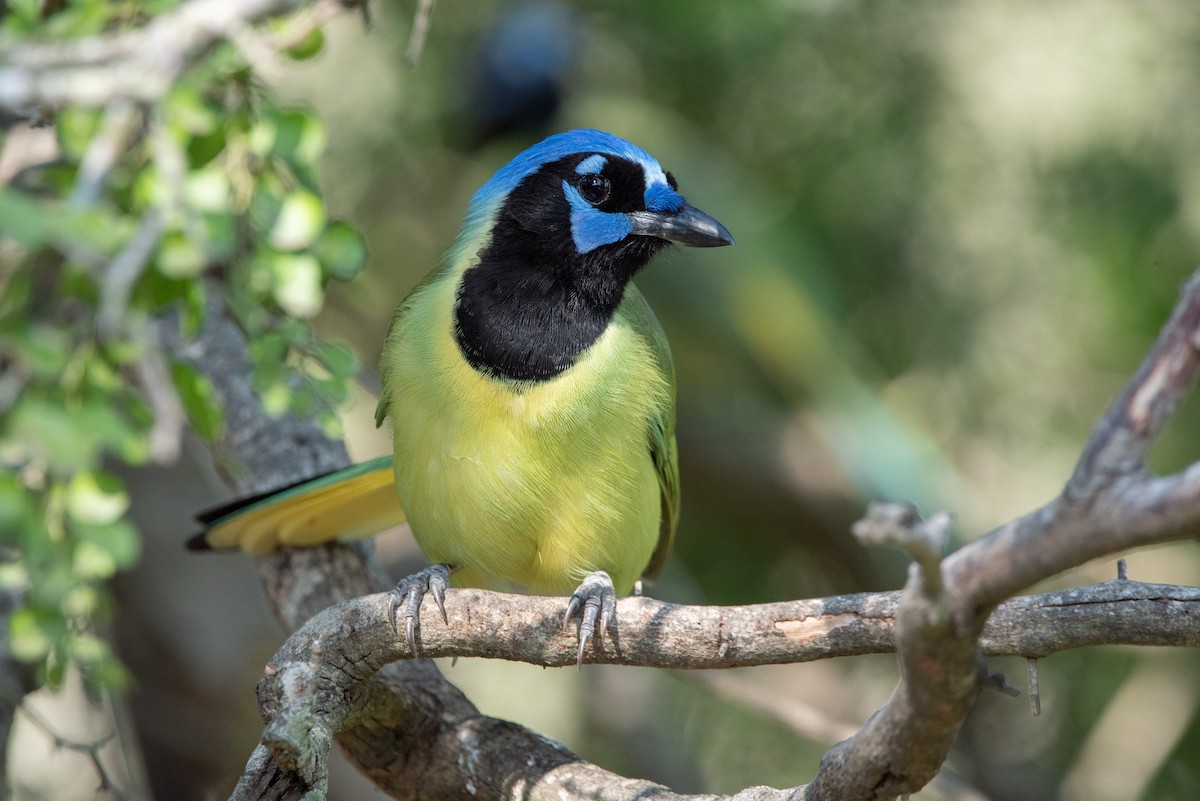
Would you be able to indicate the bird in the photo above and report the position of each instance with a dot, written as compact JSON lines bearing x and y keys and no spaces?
{"x":531,"y":394}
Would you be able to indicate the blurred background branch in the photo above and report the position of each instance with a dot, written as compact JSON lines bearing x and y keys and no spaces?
{"x":142,"y":64}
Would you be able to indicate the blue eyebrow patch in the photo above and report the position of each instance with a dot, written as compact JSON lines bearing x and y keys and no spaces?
{"x":662,"y":198}
{"x":592,"y":164}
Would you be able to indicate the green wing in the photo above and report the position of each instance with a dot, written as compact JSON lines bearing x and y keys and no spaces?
{"x":662,"y":428}
{"x":383,"y":409}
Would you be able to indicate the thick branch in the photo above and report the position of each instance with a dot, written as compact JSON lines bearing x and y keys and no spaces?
{"x":656,"y":634}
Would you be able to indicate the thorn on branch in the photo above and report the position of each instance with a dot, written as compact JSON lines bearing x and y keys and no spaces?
{"x":1035,"y":695}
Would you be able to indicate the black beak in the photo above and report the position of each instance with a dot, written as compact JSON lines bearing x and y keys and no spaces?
{"x":688,"y":226}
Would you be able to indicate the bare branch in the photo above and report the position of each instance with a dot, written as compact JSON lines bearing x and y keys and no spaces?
{"x":89,"y":748}
{"x":1110,"y":504}
{"x":140,"y":64}
{"x":657,"y":634}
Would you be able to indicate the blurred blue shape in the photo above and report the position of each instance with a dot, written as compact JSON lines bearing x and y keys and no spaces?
{"x":518,"y":75}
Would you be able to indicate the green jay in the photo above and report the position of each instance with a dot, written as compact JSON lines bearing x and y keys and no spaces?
{"x":531,"y":394}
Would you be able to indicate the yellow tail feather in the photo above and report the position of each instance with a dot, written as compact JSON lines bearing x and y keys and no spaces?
{"x":358,"y":506}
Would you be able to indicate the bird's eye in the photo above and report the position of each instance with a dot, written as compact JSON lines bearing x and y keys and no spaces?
{"x":594,"y":188}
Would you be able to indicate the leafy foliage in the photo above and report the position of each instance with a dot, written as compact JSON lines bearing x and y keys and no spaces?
{"x":213,"y":192}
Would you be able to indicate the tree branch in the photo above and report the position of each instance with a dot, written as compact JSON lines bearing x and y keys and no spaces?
{"x":656,"y":634}
{"x":1110,"y":503}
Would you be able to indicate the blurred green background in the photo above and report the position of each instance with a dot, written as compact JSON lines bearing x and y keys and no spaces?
{"x":959,"y":227}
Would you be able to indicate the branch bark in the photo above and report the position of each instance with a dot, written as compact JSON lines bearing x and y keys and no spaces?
{"x":417,"y":736}
{"x":656,"y":634}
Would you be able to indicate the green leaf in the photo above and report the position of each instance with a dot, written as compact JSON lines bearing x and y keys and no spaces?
{"x":341,"y":250}
{"x":339,"y":360}
{"x":81,"y":601}
{"x":30,"y":634}
{"x":299,"y":222}
{"x":178,"y":257}
{"x":102,"y":550}
{"x":18,"y":509}
{"x":89,"y":649}
{"x":186,"y":112}
{"x":26,"y":13}
{"x":208,"y":190}
{"x":14,"y":577}
{"x":194,"y":311}
{"x":293,"y":135}
{"x":41,"y":349}
{"x":203,"y":148}
{"x":331,"y":424}
{"x":199,"y":399}
{"x":297,"y":287}
{"x":71,"y":439}
{"x":96,"y":498}
{"x":270,"y":347}
{"x":35,"y":223}
{"x":309,"y":47}
{"x":276,"y":398}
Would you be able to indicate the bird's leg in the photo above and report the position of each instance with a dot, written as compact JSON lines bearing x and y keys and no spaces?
{"x":410,"y":591}
{"x":596,"y":600}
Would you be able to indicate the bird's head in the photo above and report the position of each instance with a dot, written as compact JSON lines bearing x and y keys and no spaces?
{"x":590,"y":200}
{"x":551,"y":243}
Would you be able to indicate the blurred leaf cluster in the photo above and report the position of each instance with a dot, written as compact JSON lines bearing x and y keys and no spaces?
{"x":216,"y":181}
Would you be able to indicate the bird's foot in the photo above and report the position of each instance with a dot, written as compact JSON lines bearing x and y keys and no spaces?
{"x":596,"y":601}
{"x":410,"y":591}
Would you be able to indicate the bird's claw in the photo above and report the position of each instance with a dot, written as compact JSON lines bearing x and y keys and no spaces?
{"x":596,"y":601}
{"x":410,"y":591}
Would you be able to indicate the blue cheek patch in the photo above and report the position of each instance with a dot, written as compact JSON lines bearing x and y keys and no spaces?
{"x":662,"y":198}
{"x":590,"y":227}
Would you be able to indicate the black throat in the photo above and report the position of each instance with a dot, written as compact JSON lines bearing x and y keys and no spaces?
{"x":529,"y":319}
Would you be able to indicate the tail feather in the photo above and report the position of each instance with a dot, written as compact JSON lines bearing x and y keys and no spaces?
{"x":355,"y":502}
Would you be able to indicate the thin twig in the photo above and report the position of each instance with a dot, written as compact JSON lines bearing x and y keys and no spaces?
{"x":116,"y":282}
{"x":166,"y":433}
{"x":89,"y":748}
{"x":120,"y":123}
{"x":420,"y":30}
